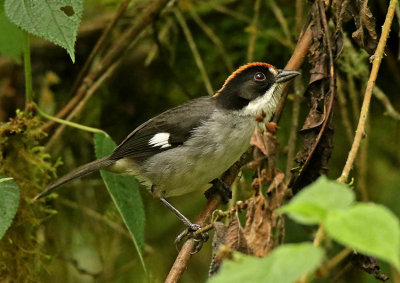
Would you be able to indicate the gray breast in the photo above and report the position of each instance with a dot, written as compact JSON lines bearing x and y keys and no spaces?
{"x":203,"y":157}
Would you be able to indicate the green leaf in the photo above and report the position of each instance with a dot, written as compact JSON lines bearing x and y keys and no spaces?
{"x":9,"y":200}
{"x":368,"y":228}
{"x":11,"y":38}
{"x":54,"y":20}
{"x":312,"y":204}
{"x":285,"y":264}
{"x":124,"y":191}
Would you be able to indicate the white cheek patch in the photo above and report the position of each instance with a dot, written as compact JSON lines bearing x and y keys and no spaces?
{"x":160,"y":139}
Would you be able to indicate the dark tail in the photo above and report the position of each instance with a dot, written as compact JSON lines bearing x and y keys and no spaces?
{"x":78,"y":172}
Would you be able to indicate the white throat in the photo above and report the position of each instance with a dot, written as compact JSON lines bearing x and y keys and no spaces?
{"x":267,"y":103}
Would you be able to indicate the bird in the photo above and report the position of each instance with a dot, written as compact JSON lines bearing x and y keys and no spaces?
{"x":187,"y":147}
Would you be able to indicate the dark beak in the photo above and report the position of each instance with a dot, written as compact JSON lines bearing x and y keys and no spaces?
{"x":285,"y":76}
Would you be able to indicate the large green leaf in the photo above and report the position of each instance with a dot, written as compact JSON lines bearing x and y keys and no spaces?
{"x":11,"y":38}
{"x":124,"y":191}
{"x":368,"y":228}
{"x":54,"y":20}
{"x":9,"y":200}
{"x":312,"y":204}
{"x":285,"y":264}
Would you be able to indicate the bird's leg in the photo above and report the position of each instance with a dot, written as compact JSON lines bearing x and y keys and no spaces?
{"x":182,"y":217}
{"x":191,"y":227}
{"x":221,"y":188}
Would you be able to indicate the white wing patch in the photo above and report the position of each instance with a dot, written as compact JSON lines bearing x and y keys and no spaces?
{"x":160,"y":139}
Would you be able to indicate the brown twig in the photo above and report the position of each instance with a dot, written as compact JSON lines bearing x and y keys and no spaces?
{"x":299,"y":54}
{"x":368,"y":92}
{"x":117,"y":50}
{"x":195,"y":51}
{"x":99,"y":44}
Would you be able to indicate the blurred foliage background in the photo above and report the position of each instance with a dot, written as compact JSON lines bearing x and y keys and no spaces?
{"x":80,"y":235}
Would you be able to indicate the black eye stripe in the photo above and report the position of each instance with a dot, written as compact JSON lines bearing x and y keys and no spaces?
{"x":259,"y":77}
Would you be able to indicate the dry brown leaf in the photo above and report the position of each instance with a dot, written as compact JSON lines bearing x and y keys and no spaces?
{"x":235,"y":239}
{"x":260,"y":217}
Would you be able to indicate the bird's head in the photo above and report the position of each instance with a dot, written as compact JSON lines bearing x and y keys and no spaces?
{"x":253,"y":88}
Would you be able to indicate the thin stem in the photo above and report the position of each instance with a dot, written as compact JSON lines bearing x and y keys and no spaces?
{"x":195,"y":51}
{"x":97,"y":216}
{"x":381,"y":96}
{"x":319,"y":236}
{"x":234,"y":14}
{"x":368,"y":92}
{"x":68,"y":123}
{"x":333,"y":262}
{"x":253,"y":29}
{"x":343,"y":111}
{"x":354,"y":96}
{"x":281,"y":19}
{"x":28,"y":71}
{"x":214,"y":38}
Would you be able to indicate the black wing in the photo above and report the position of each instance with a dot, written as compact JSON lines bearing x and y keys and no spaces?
{"x":179,"y":122}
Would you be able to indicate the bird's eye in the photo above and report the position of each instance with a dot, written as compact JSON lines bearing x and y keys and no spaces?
{"x":259,"y":77}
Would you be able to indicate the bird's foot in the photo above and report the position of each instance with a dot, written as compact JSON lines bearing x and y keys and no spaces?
{"x":219,"y":187}
{"x":189,"y":232}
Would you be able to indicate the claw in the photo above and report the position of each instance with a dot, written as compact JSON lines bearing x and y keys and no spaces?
{"x":188,"y":232}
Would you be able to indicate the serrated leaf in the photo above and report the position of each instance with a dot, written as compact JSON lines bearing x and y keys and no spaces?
{"x":54,"y":20}
{"x":124,"y":191}
{"x":312,"y":204}
{"x":9,"y":201}
{"x":368,"y":228}
{"x":285,"y":264}
{"x":11,"y":39}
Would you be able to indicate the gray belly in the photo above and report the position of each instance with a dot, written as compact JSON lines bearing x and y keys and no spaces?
{"x":201,"y":159}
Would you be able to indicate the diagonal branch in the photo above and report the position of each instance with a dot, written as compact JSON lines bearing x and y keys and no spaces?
{"x":368,"y":92}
